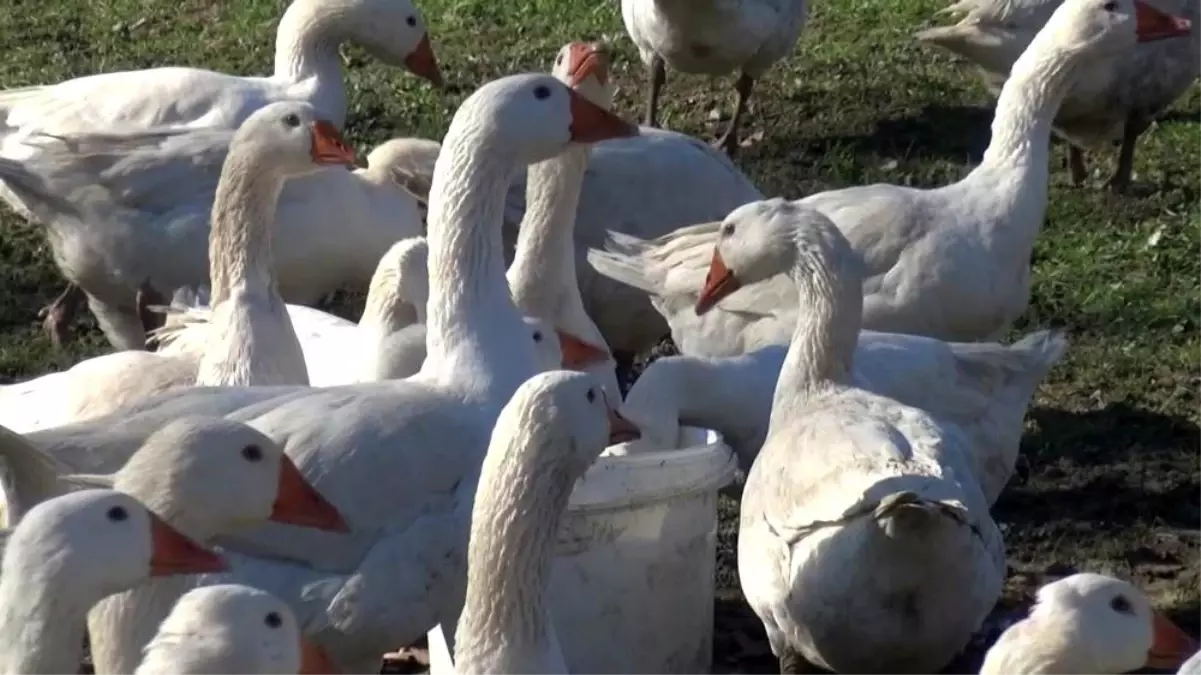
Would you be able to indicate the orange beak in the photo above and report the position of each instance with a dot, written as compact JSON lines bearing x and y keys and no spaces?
{"x":587,"y":59}
{"x":172,"y":553}
{"x":313,"y":659}
{"x":328,"y":146}
{"x":1153,"y":24}
{"x":621,"y":430}
{"x":578,"y":354}
{"x":1171,"y":646}
{"x":720,"y":282}
{"x":298,"y":503}
{"x":421,"y":62}
{"x":591,"y":123}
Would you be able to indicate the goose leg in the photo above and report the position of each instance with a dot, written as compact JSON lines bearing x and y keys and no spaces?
{"x":658,"y":74}
{"x":1076,"y":165}
{"x":729,"y":140}
{"x":1120,"y":181}
{"x":59,"y":314}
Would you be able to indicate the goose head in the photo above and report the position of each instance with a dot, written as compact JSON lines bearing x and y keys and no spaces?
{"x":567,"y":411}
{"x":98,"y":542}
{"x":290,"y":137}
{"x":235,"y":628}
{"x":395,"y":32}
{"x":585,"y":67}
{"x":1106,"y":27}
{"x":221,"y":476}
{"x":533,"y":117}
{"x":1093,"y":623}
{"x":548,"y":345}
{"x":759,"y":240}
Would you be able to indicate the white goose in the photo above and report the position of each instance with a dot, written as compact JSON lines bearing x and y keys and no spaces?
{"x":712,"y":38}
{"x":545,"y":439}
{"x":252,"y":340}
{"x":67,"y":554}
{"x":865,"y":542}
{"x":307,"y":68}
{"x":952,"y":262}
{"x":230,"y":628}
{"x":984,"y":388}
{"x":542,"y":276}
{"x":135,"y":207}
{"x":1089,"y":623}
{"x":408,"y":546}
{"x":207,"y":478}
{"x":1116,"y":98}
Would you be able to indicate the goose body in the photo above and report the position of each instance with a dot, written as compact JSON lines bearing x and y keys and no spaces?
{"x":712,"y":37}
{"x":983,"y":388}
{"x":865,"y":542}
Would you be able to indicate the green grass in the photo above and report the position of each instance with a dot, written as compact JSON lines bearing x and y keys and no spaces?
{"x":1112,"y":441}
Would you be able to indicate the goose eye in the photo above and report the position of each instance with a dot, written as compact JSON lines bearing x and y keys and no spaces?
{"x":252,"y":453}
{"x":541,"y":92}
{"x":273,"y":620}
{"x":727,"y":229}
{"x":537,"y":336}
{"x":117,"y":514}
{"x":412,"y":21}
{"x":1121,"y":605}
{"x":1110,"y":6}
{"x":591,"y":395}
{"x":292,"y":120}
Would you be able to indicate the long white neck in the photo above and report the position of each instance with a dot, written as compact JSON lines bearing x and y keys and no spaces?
{"x":385,"y":312}
{"x":41,"y":616}
{"x":1026,"y":107}
{"x":252,"y":340}
{"x":474,"y":334}
{"x":306,"y":48}
{"x":121,"y":625}
{"x":823,"y":342}
{"x":542,"y":276}
{"x":242,"y":219}
{"x":731,"y":395}
{"x":505,"y":625}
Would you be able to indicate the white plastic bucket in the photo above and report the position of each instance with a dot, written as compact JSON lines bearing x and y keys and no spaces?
{"x":632,"y":585}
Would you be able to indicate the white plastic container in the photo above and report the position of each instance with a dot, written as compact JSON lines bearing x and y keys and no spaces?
{"x":632,"y":585}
